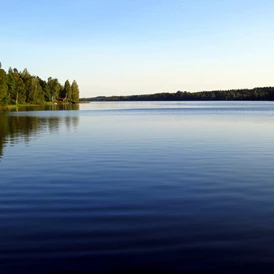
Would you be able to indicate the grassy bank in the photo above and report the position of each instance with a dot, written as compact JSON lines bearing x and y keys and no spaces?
{"x":10,"y":107}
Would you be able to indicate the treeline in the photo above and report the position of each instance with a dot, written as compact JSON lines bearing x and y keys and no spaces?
{"x":22,"y":87}
{"x":255,"y":94}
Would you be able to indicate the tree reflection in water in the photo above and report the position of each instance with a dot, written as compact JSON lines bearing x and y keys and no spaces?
{"x":22,"y":127}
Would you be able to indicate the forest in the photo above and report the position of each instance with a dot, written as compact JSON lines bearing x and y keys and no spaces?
{"x":20,"y":87}
{"x":255,"y":94}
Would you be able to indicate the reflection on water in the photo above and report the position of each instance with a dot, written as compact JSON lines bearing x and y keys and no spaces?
{"x":22,"y":127}
{"x":138,"y":187}
{"x":48,"y":107}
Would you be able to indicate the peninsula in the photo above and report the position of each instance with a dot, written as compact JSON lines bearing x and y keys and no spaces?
{"x":20,"y":87}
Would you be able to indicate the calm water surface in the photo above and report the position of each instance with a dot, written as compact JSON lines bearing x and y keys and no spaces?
{"x":139,"y":186}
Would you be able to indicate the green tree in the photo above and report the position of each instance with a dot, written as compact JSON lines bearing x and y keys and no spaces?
{"x":45,"y":90}
{"x":11,"y":86}
{"x":54,"y":88}
{"x":74,"y":91}
{"x":20,"y":88}
{"x":66,"y":91}
{"x":27,"y":79}
{"x":34,"y":89}
{"x":40,"y":98}
{"x":3,"y":85}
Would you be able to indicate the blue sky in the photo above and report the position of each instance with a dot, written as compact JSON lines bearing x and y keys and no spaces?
{"x":137,"y":47}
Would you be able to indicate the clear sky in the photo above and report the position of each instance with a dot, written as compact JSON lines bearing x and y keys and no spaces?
{"x":119,"y":47}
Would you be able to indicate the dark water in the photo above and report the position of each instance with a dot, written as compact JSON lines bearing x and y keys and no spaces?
{"x":135,"y":187}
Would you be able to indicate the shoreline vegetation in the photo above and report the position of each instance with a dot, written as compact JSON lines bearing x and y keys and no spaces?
{"x":20,"y":88}
{"x":255,"y":94}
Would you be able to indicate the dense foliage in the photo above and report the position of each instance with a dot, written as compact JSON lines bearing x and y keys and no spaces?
{"x":264,"y":93}
{"x":22,"y":87}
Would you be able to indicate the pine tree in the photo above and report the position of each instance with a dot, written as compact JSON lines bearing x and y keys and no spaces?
{"x":11,"y":86}
{"x":74,"y":92}
{"x":66,"y":91}
{"x":3,"y":85}
{"x":27,"y":79}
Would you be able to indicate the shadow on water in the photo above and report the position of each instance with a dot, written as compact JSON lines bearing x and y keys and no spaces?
{"x":22,"y":127}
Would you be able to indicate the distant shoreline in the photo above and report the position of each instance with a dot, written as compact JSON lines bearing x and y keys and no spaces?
{"x":255,"y":94}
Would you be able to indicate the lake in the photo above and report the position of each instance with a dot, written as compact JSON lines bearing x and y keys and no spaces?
{"x":138,"y":187}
